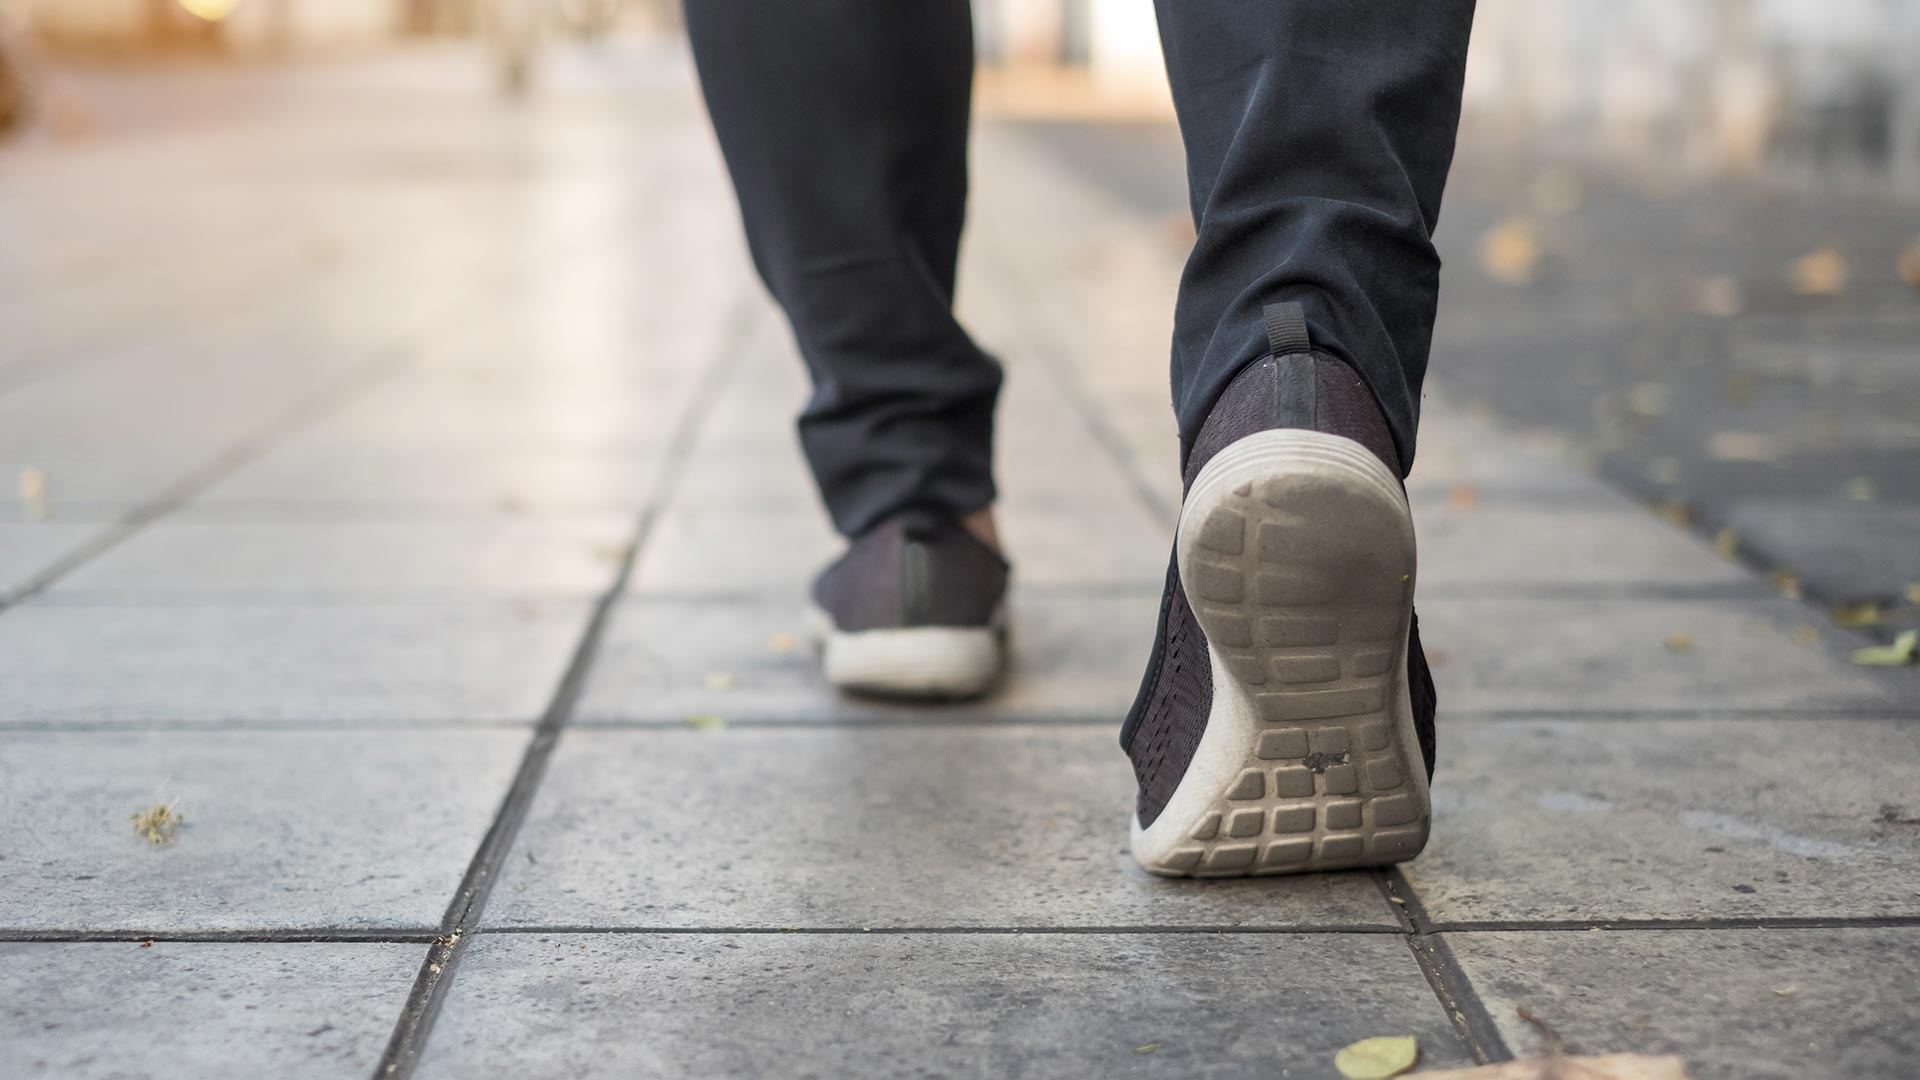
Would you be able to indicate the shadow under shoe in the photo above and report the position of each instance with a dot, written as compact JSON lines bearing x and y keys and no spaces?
{"x":1296,"y":531}
{"x":915,"y":609}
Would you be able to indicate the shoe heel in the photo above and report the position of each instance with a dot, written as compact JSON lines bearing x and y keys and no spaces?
{"x":1296,"y":552}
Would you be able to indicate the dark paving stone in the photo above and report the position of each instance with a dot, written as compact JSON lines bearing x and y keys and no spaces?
{"x":916,"y":1005}
{"x":867,"y":827}
{"x":289,"y":829}
{"x":1853,"y":551}
{"x":119,"y":1009}
{"x":1622,"y":819}
{"x":1745,"y":1004}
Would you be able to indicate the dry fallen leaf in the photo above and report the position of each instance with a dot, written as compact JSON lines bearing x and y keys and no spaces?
{"x":1866,"y":613}
{"x":1727,"y":543}
{"x":1820,"y":273}
{"x":1904,"y":650}
{"x":1463,"y":497}
{"x":1805,"y":634}
{"x":33,"y":492}
{"x":720,"y":680}
{"x":1913,"y":592}
{"x":1786,"y":582}
{"x":1859,"y":489}
{"x":1378,"y":1058}
{"x":1609,"y":1067}
{"x":1742,"y":446}
{"x":706,"y":722}
{"x":159,"y":823}
{"x":1909,"y":263}
{"x":1679,"y":641}
{"x":1147,"y":1049}
{"x":1510,"y":250}
{"x":781,"y":642}
{"x":1650,"y":399}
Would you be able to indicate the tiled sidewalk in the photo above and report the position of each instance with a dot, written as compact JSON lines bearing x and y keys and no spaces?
{"x":423,"y":514}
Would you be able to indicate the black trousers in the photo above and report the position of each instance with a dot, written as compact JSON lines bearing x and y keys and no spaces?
{"x":1318,"y":137}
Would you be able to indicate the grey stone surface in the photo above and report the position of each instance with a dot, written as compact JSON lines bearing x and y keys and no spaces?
{"x":1074,"y":653}
{"x":1851,"y":552}
{"x":1553,"y":653}
{"x":1745,"y":1004}
{"x":200,"y":560}
{"x":112,"y":1010}
{"x":779,"y":550}
{"x":308,"y":481}
{"x":29,"y":549}
{"x":1622,"y":819}
{"x":896,"y":1005}
{"x":308,"y":829}
{"x":867,"y":827}
{"x":461,"y":661}
{"x":1507,"y":544}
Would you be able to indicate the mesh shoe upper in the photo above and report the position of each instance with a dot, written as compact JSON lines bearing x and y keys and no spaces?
{"x":1176,"y":694}
{"x":910,"y":571}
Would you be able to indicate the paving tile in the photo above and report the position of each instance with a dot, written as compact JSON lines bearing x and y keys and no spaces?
{"x":473,"y":662}
{"x":1561,"y":545}
{"x":181,"y":558}
{"x":533,"y":413}
{"x":1745,"y":1004}
{"x":29,"y":549}
{"x":308,"y":481}
{"x":954,"y":1005}
{"x":1621,"y":819}
{"x":1555,"y":653}
{"x":242,"y":1010}
{"x":282,"y":829}
{"x":780,"y":550}
{"x":1074,"y":653}
{"x":867,"y":827}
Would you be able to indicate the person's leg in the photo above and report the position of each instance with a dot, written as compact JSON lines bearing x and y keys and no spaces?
{"x":1285,"y":721}
{"x":844,"y":126}
{"x":1318,"y":136}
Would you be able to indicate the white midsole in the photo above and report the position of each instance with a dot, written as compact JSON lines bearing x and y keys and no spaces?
{"x":918,"y":661}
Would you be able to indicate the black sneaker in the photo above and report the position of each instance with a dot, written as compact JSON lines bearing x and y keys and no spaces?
{"x":914,"y":609}
{"x":1285,"y":722}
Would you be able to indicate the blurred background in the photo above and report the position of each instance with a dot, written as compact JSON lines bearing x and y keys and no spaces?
{"x":1683,"y":238}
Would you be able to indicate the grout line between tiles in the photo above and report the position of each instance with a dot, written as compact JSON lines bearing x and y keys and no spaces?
{"x":415,"y":1023}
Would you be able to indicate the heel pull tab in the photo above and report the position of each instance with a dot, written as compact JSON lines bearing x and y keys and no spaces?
{"x":1296,"y":390}
{"x":1287,"y":329}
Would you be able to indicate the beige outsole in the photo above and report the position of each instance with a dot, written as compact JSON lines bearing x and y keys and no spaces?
{"x":926,"y":663}
{"x":1296,"y":551}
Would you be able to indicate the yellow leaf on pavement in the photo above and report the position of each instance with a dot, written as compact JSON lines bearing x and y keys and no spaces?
{"x":1820,"y":273}
{"x":1904,"y":650}
{"x":1377,"y":1058}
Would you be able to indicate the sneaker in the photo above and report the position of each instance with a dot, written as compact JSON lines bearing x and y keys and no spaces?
{"x":1285,"y":722}
{"x":914,"y":609}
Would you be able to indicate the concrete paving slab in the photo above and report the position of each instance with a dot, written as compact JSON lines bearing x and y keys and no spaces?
{"x":28,"y":549}
{"x":1074,"y":653}
{"x":874,"y":827}
{"x":302,"y":481}
{"x":1598,"y":820}
{"x":100,"y":1010}
{"x":779,"y":551}
{"x":288,"y":829}
{"x":185,"y":559}
{"x":1746,"y":1004}
{"x":457,"y":662}
{"x":1496,"y":545}
{"x":951,"y":1005}
{"x":1636,"y":653}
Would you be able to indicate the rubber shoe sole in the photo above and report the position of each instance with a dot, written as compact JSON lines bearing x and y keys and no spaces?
{"x":1296,"y":551}
{"x":932,"y":663}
